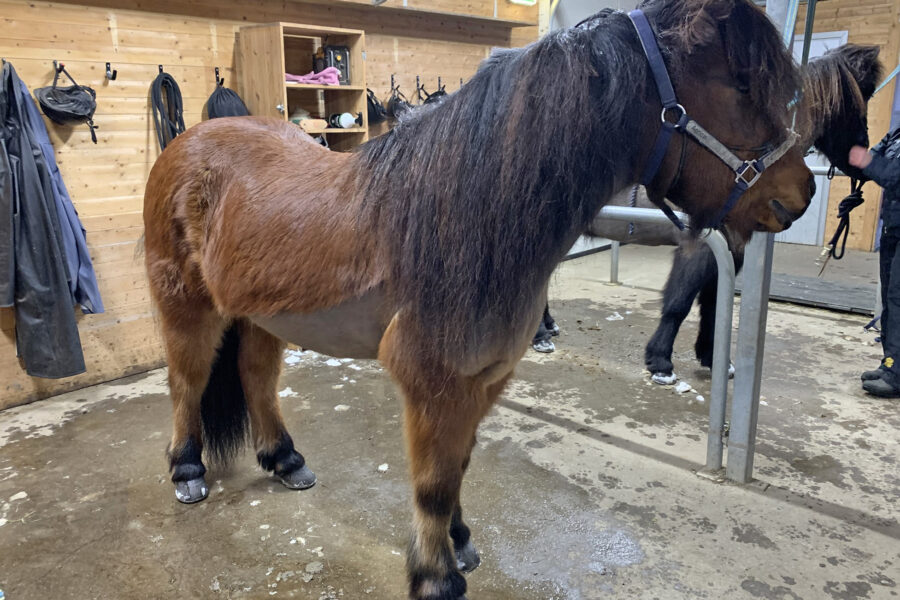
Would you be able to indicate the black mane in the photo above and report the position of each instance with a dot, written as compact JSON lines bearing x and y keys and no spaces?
{"x":479,"y":197}
{"x":837,"y":88}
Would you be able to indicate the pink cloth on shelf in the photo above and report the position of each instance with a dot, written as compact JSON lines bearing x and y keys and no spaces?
{"x":329,"y":76}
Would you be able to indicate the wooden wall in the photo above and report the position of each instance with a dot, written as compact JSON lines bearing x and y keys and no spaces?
{"x":189,"y":39}
{"x":867,"y":22}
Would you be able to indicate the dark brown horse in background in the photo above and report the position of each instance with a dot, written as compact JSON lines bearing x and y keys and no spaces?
{"x":429,"y":248}
{"x":837,"y":87}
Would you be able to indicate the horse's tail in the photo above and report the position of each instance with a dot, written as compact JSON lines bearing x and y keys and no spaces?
{"x":223,"y":408}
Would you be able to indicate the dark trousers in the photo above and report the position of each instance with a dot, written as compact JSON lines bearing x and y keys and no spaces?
{"x":890,"y":300}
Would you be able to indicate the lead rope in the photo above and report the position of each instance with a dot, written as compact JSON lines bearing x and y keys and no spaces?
{"x":632,"y":202}
{"x":168,"y":115}
{"x":850,"y":201}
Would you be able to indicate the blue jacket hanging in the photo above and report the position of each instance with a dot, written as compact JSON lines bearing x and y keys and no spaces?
{"x":34,"y":275}
{"x":82,"y":281}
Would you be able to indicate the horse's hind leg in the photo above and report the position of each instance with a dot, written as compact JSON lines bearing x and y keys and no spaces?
{"x":549,"y":321}
{"x":259,"y":364}
{"x":703,"y":348}
{"x":192,"y":333}
{"x":547,"y":328}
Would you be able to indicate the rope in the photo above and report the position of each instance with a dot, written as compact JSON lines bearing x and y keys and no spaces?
{"x":851,"y":201}
{"x":632,"y":202}
{"x":167,"y":111}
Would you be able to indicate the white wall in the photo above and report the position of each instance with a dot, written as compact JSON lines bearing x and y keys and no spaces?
{"x":570,"y":12}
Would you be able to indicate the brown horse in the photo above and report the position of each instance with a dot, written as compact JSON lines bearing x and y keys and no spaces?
{"x":429,"y":248}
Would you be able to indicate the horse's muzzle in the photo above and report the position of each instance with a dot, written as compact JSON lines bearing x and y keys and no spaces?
{"x":785,"y":217}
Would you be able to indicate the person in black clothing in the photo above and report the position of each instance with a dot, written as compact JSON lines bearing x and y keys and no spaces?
{"x":882,"y":165}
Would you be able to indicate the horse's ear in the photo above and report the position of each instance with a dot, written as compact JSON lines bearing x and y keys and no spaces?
{"x":863,"y":62}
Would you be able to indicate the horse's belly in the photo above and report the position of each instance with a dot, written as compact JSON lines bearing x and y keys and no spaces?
{"x":352,"y":329}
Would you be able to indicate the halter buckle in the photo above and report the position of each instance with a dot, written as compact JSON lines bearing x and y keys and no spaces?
{"x":665,"y":111}
{"x":742,"y":174}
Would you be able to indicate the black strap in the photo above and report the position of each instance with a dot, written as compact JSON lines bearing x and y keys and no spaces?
{"x":669,"y":101}
{"x":168,"y":112}
{"x":654,"y":58}
{"x":851,"y":201}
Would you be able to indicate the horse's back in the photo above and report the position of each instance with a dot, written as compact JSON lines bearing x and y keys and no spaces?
{"x":268,"y":217}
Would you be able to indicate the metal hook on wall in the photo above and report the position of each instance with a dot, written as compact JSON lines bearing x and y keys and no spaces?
{"x":160,"y":69}
{"x":111,"y":74}
{"x":419,"y":90}
{"x":219,"y":81}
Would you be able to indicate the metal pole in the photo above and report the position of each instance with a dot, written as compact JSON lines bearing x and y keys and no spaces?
{"x":614,"y":263}
{"x":807,"y":38}
{"x":721,"y":348}
{"x":749,"y":356}
{"x":638,"y":215}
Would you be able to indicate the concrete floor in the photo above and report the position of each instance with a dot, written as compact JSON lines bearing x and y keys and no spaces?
{"x":582,"y":485}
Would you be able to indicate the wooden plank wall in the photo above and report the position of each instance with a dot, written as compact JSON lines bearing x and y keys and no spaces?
{"x":189,"y":39}
{"x":867,"y":22}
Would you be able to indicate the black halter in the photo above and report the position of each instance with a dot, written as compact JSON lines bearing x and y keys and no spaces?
{"x":747,"y":172}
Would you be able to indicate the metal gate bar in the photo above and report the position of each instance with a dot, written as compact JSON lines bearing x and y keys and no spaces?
{"x":724,"y":315}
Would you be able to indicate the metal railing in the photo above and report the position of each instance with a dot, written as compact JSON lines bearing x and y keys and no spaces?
{"x":724,"y":315}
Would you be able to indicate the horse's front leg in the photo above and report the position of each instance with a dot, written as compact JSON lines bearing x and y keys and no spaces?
{"x":691,"y":270}
{"x":442,"y":412}
{"x":259,"y":364}
{"x":467,"y":557}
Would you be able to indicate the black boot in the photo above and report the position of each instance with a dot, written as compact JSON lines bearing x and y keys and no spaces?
{"x":881,"y":388}
{"x":873,"y":374}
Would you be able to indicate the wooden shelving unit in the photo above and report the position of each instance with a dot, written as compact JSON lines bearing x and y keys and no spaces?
{"x":271,"y":50}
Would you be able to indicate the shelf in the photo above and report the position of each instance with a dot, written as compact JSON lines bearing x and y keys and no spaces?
{"x":335,"y":130}
{"x":330,"y":88}
{"x":271,"y":49}
{"x":421,"y":12}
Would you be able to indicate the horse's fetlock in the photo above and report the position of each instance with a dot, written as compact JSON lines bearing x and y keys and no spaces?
{"x":185,"y":461}
{"x":283,"y":458}
{"x":423,"y":586}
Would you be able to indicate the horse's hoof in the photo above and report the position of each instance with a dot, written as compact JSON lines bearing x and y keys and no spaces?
{"x":467,"y":558}
{"x":299,"y":479}
{"x":664,"y":378}
{"x":191,"y":491}
{"x":545,"y":346}
{"x":554,"y":330}
{"x":730,"y":370}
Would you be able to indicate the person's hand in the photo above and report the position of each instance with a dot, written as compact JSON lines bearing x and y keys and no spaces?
{"x":860,"y":157}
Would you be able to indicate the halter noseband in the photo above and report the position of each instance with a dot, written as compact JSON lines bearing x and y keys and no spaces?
{"x":747,"y":172}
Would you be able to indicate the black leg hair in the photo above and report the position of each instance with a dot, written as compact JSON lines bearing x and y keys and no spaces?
{"x":691,"y":269}
{"x":185,"y":462}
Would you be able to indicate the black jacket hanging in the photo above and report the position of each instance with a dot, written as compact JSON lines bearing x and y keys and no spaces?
{"x":33,"y":274}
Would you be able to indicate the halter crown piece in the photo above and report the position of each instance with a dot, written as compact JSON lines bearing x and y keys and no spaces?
{"x":747,"y":172}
